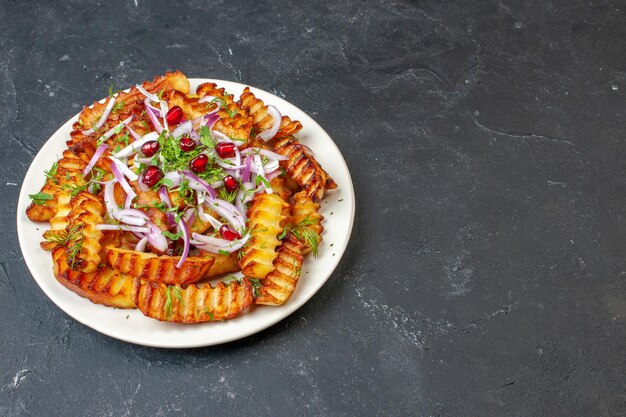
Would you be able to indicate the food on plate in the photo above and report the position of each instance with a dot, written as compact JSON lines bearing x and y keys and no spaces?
{"x":163,"y":193}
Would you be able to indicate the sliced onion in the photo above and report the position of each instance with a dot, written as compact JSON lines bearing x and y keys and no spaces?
{"x":149,"y":95}
{"x":136,"y":145}
{"x":103,"y":118}
{"x":261,"y":172}
{"x":95,"y":158}
{"x":109,"y":198}
{"x":132,"y":216}
{"x":208,"y":218}
{"x":183,"y":129}
{"x":112,"y":130}
{"x":153,"y":118}
{"x":123,"y":227}
{"x":134,"y":134}
{"x":141,"y":245}
{"x":245,"y":175}
{"x":124,"y":169}
{"x":215,"y":245}
{"x":265,"y":152}
{"x":208,"y":99}
{"x":204,"y":186}
{"x":271,"y":132}
{"x":164,"y":109}
{"x":130,"y":193}
{"x":156,"y":238}
{"x":166,"y":199}
{"x":183,"y":227}
{"x":229,"y":212}
{"x":271,"y":175}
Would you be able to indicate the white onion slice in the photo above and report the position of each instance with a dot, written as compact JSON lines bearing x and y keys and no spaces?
{"x":136,"y":145}
{"x":130,"y":193}
{"x":109,"y":198}
{"x":141,"y":245}
{"x":123,"y":227}
{"x":95,"y":158}
{"x":149,"y":95}
{"x":112,"y":130}
{"x":164,"y":110}
{"x":265,"y":152}
{"x":156,"y":238}
{"x":124,"y":169}
{"x":271,"y":132}
{"x":182,"y":226}
{"x":261,"y":172}
{"x":103,"y":118}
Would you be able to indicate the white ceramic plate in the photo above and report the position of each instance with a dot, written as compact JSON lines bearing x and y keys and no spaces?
{"x":132,"y":326}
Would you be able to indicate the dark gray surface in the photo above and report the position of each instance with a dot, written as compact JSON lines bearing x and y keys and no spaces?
{"x":485,"y":275}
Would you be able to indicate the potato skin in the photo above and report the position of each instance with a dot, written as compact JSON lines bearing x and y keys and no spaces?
{"x":192,"y":304}
{"x":105,"y":286}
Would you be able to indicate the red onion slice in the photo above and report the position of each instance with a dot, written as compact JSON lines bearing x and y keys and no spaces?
{"x":95,"y":158}
{"x":183,"y":129}
{"x":261,"y":172}
{"x":123,"y":227}
{"x":204,"y":186}
{"x":165,"y":198}
{"x":136,"y":145}
{"x":103,"y":118}
{"x":130,"y":193}
{"x":124,"y":169}
{"x":156,"y":238}
{"x":215,"y":245}
{"x":208,"y":218}
{"x":153,"y":117}
{"x":183,"y":227}
{"x":271,"y":132}
{"x":245,"y":175}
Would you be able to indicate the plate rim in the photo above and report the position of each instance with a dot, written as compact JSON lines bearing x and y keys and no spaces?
{"x":287,"y":310}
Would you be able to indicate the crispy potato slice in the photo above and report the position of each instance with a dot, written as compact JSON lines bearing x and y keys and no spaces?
{"x":190,"y":106}
{"x":305,"y":214}
{"x":266,"y":217}
{"x":192,"y":304}
{"x":66,"y":174}
{"x":234,"y":121}
{"x":59,"y":224}
{"x":105,"y":286}
{"x":159,"y":269}
{"x":261,"y":118}
{"x":279,"y":284}
{"x":303,"y":168}
{"x":223,"y":263}
{"x":87,"y":211}
{"x":279,"y":186}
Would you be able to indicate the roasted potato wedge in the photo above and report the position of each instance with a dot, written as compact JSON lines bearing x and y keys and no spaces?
{"x":266,"y":217}
{"x":83,"y":251}
{"x":160,"y":269}
{"x":192,"y":304}
{"x":303,"y":168}
{"x":262,"y":120}
{"x":305,"y":215}
{"x":279,"y":284}
{"x":105,"y":286}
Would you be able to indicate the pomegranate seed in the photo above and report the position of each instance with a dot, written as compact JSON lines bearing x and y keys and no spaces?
{"x":150,"y":148}
{"x":225,"y":149}
{"x":187,"y":144}
{"x":198,"y":164}
{"x":229,"y":233}
{"x":174,"y":115}
{"x":230,"y":183}
{"x":152,"y":175}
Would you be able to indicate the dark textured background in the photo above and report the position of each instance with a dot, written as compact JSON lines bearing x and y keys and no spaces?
{"x":486,"y":271}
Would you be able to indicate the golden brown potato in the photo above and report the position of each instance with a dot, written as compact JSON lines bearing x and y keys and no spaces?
{"x":262,"y":120}
{"x":223,"y":263}
{"x":105,"y":286}
{"x":234,"y":121}
{"x":159,"y":269}
{"x":303,"y":168}
{"x":279,"y":284}
{"x":266,"y":217}
{"x":192,"y":304}
{"x":83,"y":251}
{"x":306,"y":221}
